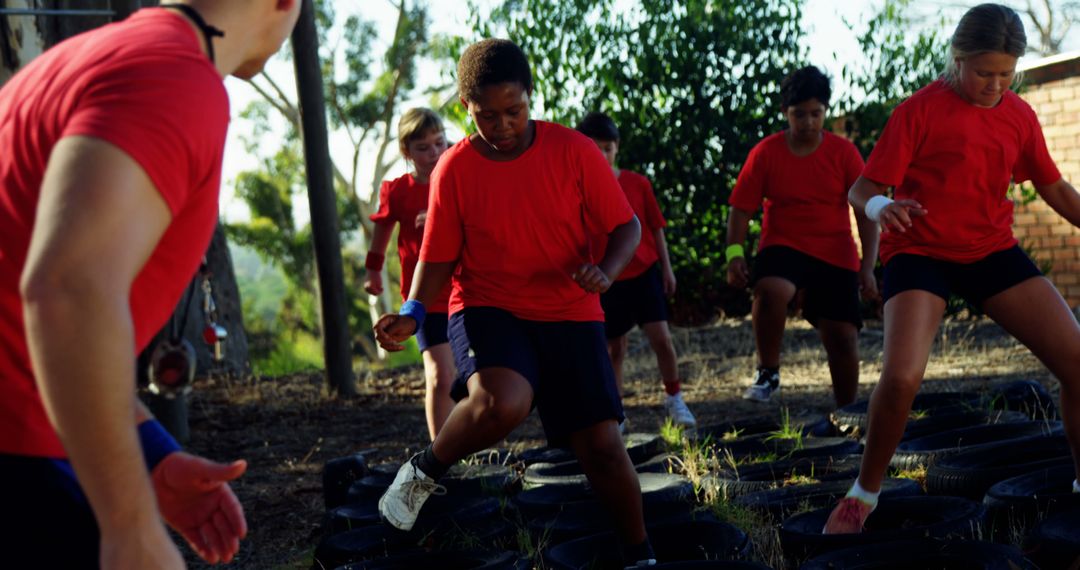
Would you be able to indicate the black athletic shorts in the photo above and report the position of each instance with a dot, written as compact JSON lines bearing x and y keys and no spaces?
{"x":634,"y":301}
{"x":433,"y":333}
{"x":975,"y":282}
{"x":832,"y":292}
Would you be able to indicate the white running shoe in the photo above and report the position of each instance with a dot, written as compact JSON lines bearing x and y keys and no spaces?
{"x":765,"y":385}
{"x":401,"y":502}
{"x":678,"y":412}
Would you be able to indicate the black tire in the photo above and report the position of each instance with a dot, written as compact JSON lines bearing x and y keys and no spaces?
{"x":664,"y":463}
{"x":1026,"y":396}
{"x":577,"y":520}
{"x":368,"y":489}
{"x":970,"y":473}
{"x":767,"y":445}
{"x":924,"y":553}
{"x":944,"y":422}
{"x":779,"y":503}
{"x":446,"y":560}
{"x":361,"y":544}
{"x":678,"y":542}
{"x":338,"y":475}
{"x":731,"y":431}
{"x":927,"y":451}
{"x":853,"y":417}
{"x":1055,"y":543}
{"x":546,"y":455}
{"x":437,"y":511}
{"x":1018,"y":502}
{"x":642,"y":447}
{"x":911,"y":517}
{"x":656,"y":489}
{"x":479,"y":479}
{"x":494,"y":456}
{"x":773,"y":474}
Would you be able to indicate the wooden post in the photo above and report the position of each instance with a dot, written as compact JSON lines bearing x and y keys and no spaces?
{"x":324,"y":220}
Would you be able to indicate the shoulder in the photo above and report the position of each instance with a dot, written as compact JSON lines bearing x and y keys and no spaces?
{"x":768,"y":146}
{"x":635,"y":179}
{"x":552,"y":134}
{"x":1021,"y":107}
{"x":929,"y":97}
{"x":840,"y":144}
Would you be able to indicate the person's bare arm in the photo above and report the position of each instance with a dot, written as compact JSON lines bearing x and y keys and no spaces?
{"x":667,"y":274}
{"x":622,"y":242}
{"x":380,"y":240}
{"x":738,"y":272}
{"x":98,"y":220}
{"x":391,"y":330}
{"x":1063,"y":198}
{"x":896,"y":216}
{"x":869,"y":233}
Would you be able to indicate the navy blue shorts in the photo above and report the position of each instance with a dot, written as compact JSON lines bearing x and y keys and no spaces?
{"x":47,"y":520}
{"x":433,"y":333}
{"x":566,"y":363}
{"x":832,"y":292}
{"x":634,"y":301}
{"x":975,"y":282}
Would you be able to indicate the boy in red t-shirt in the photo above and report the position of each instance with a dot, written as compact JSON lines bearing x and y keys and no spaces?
{"x":511,"y":214}
{"x":404,"y":201}
{"x":109,"y":178}
{"x":802,"y":175}
{"x":639,"y":295}
{"x":950,"y":153}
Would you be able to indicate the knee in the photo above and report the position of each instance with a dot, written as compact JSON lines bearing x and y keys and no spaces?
{"x":902,"y":384}
{"x":503,"y":412}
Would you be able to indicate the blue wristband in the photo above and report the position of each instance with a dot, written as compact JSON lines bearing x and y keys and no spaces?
{"x":156,"y":443}
{"x":415,"y":310}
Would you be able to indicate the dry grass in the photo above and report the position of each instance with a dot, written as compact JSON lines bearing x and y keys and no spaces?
{"x":287,"y":428}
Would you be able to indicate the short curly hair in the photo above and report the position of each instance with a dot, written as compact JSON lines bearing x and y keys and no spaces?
{"x":490,"y":62}
{"x":598,"y":126}
{"x":805,"y":84}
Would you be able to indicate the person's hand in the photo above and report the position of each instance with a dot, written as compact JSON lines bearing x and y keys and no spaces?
{"x":669,"y":283}
{"x":868,"y":286}
{"x":194,"y":498}
{"x":590,"y":278}
{"x":144,"y":545}
{"x":373,"y":283}
{"x":898,"y":216}
{"x":420,"y":219}
{"x":738,"y":273}
{"x":392,"y":330}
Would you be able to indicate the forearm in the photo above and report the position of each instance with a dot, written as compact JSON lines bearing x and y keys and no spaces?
{"x":861,"y":192}
{"x":622,"y":242}
{"x":738,"y":223}
{"x":1063,"y":199}
{"x":429,"y":280}
{"x":380,"y":238}
{"x":869,"y":233}
{"x":662,"y":249}
{"x":80,"y":341}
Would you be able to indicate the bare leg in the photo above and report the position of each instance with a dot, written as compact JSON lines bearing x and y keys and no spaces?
{"x":660,"y":340}
{"x":499,"y":399}
{"x":842,"y":349}
{"x":911,"y":320}
{"x":1034,"y":312}
{"x":771,"y":298}
{"x":439,"y":373}
{"x":617,"y":350}
{"x":600,"y":450}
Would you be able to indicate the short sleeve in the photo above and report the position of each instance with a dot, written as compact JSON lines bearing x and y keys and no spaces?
{"x":654,"y":218}
{"x":895,"y":147}
{"x":444,"y":234}
{"x":605,"y":202}
{"x":749,"y":188}
{"x":382,"y":215}
{"x":1034,"y":162}
{"x":853,"y":164}
{"x":170,"y":116}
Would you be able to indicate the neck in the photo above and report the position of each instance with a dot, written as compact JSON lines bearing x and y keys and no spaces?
{"x":421,"y":176}
{"x":233,"y":18}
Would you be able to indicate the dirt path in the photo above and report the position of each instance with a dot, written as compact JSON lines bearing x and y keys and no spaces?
{"x":287,"y":428}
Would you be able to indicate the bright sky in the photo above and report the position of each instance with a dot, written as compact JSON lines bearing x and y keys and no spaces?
{"x":830,"y":43}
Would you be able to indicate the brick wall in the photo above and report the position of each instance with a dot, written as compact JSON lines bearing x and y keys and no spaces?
{"x":1053,"y":90}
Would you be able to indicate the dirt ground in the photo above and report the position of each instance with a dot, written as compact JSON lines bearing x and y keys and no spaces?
{"x":287,"y":428}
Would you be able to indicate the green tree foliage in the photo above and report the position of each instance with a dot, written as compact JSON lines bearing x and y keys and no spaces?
{"x":692,"y":86}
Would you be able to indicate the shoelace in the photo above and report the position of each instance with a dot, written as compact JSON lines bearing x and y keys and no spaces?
{"x":421,"y":487}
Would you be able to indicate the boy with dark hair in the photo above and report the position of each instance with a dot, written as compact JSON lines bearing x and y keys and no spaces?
{"x":638,"y":296}
{"x":511,"y":213}
{"x":109,"y":183}
{"x":802,"y":175}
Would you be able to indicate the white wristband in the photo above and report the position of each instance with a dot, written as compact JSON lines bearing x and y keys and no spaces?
{"x":875,"y":205}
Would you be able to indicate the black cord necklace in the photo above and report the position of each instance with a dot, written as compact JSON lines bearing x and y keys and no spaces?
{"x":209,"y":32}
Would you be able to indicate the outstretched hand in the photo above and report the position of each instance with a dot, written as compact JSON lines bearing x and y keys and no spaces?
{"x":591,"y":278}
{"x":392,"y":330}
{"x":738,"y":273}
{"x":194,"y":498}
{"x":898,"y":215}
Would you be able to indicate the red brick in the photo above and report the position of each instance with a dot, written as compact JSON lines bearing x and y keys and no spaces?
{"x":1062,"y":254}
{"x":1061,"y":229}
{"x":1036,"y":231}
{"x":1023,"y":219}
{"x":1060,"y":279}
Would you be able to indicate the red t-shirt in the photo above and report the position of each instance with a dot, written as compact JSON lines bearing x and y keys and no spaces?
{"x":144,"y":86}
{"x":400,"y":201}
{"x":806,"y":206}
{"x":956,"y":160}
{"x":639,"y":192}
{"x":519,"y":229}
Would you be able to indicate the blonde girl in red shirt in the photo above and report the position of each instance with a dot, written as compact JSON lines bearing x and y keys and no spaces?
{"x":950,"y":152}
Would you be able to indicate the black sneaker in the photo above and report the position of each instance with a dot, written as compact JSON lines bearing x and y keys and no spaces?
{"x":766,"y":383}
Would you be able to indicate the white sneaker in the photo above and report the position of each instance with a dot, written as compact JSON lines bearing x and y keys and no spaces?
{"x":643,"y":564}
{"x":401,"y":502}
{"x":678,"y":412}
{"x":764,"y":386}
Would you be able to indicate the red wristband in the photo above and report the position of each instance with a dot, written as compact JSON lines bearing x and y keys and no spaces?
{"x":374,"y":261}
